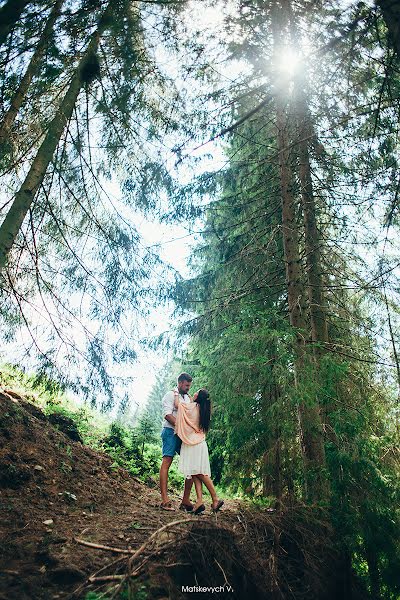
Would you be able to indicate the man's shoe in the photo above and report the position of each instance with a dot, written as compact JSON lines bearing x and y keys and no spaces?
{"x":187,"y":507}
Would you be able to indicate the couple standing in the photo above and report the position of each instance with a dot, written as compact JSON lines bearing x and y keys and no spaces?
{"x":186,"y":422}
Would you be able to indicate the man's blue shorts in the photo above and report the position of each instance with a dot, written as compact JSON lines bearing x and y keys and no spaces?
{"x":171,"y":443}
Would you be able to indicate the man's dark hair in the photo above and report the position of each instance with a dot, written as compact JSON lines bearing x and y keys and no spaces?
{"x":185,"y":377}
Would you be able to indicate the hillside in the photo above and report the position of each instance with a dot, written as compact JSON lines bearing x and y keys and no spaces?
{"x":55,"y":491}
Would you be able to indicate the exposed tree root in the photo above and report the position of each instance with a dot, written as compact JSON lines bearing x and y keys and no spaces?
{"x":291,"y":554}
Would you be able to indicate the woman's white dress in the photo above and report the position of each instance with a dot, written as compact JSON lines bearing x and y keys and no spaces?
{"x":194,"y":460}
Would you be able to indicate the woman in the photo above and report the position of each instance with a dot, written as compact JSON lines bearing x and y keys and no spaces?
{"x":192,"y":423}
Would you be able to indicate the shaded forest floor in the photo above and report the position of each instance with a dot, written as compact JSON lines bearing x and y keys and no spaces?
{"x":55,"y":491}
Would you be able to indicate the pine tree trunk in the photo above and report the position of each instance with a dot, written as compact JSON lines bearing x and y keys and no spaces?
{"x":20,"y":94}
{"x":9,"y":16}
{"x":391,"y":15}
{"x":319,"y":327}
{"x":309,"y":415}
{"x":24,"y":197}
{"x":272,"y":480}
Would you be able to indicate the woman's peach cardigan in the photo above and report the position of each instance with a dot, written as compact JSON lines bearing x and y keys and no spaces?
{"x":187,"y":425}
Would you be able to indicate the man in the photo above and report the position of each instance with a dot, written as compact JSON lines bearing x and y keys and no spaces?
{"x":171,"y":443}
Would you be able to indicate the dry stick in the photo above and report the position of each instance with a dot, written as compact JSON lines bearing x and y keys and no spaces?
{"x":94,"y":579}
{"x":107,"y":578}
{"x":141,"y":549}
{"x":223,"y":572}
{"x":153,"y":535}
{"x":107,"y":566}
{"x":101,"y":547}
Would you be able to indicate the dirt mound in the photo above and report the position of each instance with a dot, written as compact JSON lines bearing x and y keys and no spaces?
{"x":73,"y":522}
{"x":53,"y":489}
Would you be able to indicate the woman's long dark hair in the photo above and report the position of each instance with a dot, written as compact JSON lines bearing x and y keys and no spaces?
{"x":203,"y":400}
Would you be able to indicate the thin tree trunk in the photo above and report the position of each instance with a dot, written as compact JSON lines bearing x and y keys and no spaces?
{"x":391,"y":15}
{"x":309,"y":415}
{"x":24,"y":197}
{"x":9,"y":15}
{"x":395,"y":356}
{"x":20,"y":94}
{"x":272,"y":485}
{"x":272,"y":457}
{"x":373,"y":571}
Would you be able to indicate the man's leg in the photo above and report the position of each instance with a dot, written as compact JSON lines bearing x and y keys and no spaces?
{"x":165,"y":465}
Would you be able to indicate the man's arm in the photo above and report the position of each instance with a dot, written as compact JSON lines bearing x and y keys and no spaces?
{"x":168,"y":406}
{"x":171,"y":419}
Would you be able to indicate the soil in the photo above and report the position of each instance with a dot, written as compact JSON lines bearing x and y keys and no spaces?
{"x":55,"y":491}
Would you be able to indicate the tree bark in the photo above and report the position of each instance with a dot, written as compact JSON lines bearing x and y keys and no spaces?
{"x":309,"y":415}
{"x":24,"y":197}
{"x":20,"y":94}
{"x":9,"y":16}
{"x":319,"y":327}
{"x":391,"y":15}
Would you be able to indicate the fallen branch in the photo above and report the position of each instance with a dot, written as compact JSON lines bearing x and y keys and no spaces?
{"x":95,"y":578}
{"x":107,"y":578}
{"x":140,"y":550}
{"x":154,"y":535}
{"x":101,"y":547}
{"x":81,"y":587}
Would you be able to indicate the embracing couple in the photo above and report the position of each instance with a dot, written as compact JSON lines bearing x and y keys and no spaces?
{"x":186,"y":422}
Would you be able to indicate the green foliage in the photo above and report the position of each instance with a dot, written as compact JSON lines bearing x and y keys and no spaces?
{"x":92,"y":274}
{"x":239,"y":334}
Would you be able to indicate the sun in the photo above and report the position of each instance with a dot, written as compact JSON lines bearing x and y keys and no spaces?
{"x":288,"y":61}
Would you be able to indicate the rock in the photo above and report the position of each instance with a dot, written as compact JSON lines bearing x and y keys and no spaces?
{"x":48,"y":522}
{"x":66,"y":425}
{"x":38,"y":468}
{"x":66,"y":574}
{"x":69,"y":496}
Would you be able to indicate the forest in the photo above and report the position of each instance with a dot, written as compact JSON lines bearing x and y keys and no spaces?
{"x":265,"y":134}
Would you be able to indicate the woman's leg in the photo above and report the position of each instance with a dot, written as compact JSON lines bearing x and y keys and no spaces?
{"x":206,"y":479}
{"x":199,"y":491}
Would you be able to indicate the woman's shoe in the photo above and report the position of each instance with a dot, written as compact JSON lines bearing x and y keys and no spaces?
{"x":199,"y":509}
{"x":187,"y":507}
{"x":219,"y":504}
